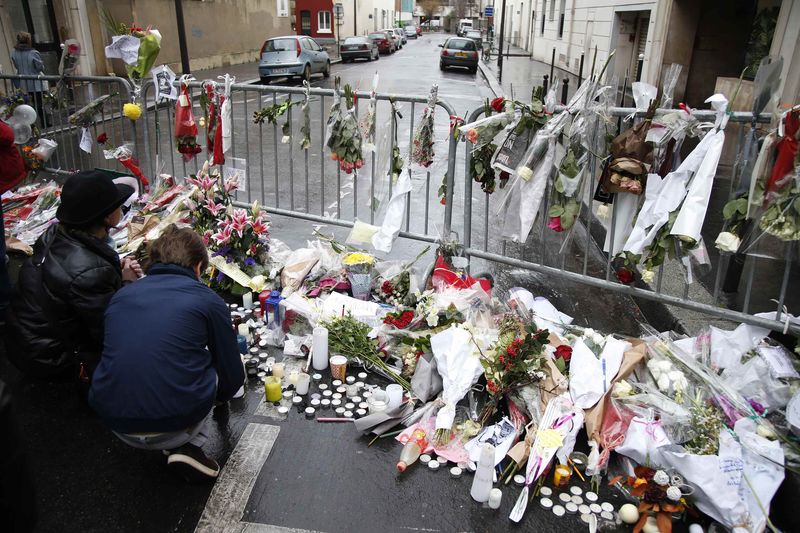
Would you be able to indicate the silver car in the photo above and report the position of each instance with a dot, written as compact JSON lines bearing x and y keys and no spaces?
{"x":411,"y":31}
{"x":290,"y":56}
{"x":475,"y":35}
{"x":459,"y":52}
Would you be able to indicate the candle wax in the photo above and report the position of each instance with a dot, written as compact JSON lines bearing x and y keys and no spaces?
{"x":272,"y":389}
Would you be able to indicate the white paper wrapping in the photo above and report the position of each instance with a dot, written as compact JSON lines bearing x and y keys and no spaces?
{"x":546,"y":316}
{"x":393,"y":220}
{"x":590,"y":377}
{"x":124,"y":47}
{"x":459,"y":367}
{"x":727,"y":347}
{"x":227,"y":119}
{"x":525,"y":198}
{"x":625,"y":211}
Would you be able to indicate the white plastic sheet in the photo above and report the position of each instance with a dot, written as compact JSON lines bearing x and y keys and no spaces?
{"x":590,"y":377}
{"x":625,"y":206}
{"x":393,"y":220}
{"x":728,"y":347}
{"x":459,"y":367}
{"x":226,"y":114}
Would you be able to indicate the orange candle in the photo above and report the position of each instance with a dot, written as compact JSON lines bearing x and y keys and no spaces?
{"x":561,"y":476}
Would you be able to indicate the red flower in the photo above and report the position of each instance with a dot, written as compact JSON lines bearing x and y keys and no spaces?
{"x":443,"y":201}
{"x":493,"y":387}
{"x":564,"y":352}
{"x":625,"y":275}
{"x":513,"y":349}
{"x":387,"y":288}
{"x":102,"y":138}
{"x":407,"y":316}
{"x":555,"y":224}
{"x":497,"y":104}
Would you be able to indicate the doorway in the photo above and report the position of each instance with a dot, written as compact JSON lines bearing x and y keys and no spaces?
{"x":305,"y":23}
{"x":38,"y":18}
{"x":630,"y":31}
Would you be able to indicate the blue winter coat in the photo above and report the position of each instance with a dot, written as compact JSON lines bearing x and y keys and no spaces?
{"x":28,"y":62}
{"x":169,"y":352}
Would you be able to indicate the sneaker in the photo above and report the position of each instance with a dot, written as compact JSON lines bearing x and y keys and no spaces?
{"x":193,"y":463}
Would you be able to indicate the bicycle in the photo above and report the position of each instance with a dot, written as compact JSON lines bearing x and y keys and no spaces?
{"x":487,"y":50}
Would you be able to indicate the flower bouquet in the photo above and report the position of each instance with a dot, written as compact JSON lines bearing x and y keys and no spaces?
{"x":86,"y":116}
{"x":394,"y":281}
{"x":349,"y":337}
{"x":480,"y":167}
{"x":69,"y":58}
{"x":138,"y":47}
{"x":185,"y":126}
{"x":124,"y":157}
{"x":211,"y":102}
{"x":359,"y":272}
{"x":566,"y":190}
{"x":343,"y":134}
{"x":515,"y":360}
{"x":422,"y":144}
{"x":305,"y":128}
{"x":782,"y":218}
{"x":659,"y":495}
{"x":484,"y":130}
{"x":368,"y":122}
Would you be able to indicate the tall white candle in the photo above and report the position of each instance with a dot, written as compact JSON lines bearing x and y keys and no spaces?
{"x":247,"y":300}
{"x":320,"y":347}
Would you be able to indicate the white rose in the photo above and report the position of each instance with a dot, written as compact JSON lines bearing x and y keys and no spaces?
{"x":432,"y":320}
{"x":764,"y":431}
{"x":665,"y":366}
{"x":603,"y":211}
{"x":285,"y":139}
{"x":661,"y":477}
{"x":525,"y":173}
{"x":648,"y":276}
{"x":727,"y":242}
{"x":622,"y":389}
{"x":663,"y":383}
{"x":598,"y":339}
{"x":652,"y":364}
{"x":674,"y":493}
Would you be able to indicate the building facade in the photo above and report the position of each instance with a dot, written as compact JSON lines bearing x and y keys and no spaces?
{"x":218,"y":32}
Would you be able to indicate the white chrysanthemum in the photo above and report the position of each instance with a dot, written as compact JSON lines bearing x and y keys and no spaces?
{"x":603,"y":211}
{"x":432,"y":320}
{"x":673,"y":493}
{"x":648,"y":276}
{"x":622,"y":389}
{"x":663,"y":383}
{"x":665,"y":366}
{"x":661,"y":477}
{"x":285,"y":139}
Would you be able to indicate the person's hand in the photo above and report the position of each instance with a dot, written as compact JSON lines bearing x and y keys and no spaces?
{"x":131,"y":270}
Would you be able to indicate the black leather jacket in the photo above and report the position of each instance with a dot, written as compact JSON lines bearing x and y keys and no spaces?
{"x":56,"y":315}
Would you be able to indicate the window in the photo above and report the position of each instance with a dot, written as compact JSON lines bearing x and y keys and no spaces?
{"x":305,"y":23}
{"x":324,"y":21}
{"x":561,"y":16}
{"x":544,"y":11}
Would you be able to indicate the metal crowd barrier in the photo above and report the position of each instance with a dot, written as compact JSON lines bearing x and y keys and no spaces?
{"x":307,"y":185}
{"x":312,"y":187}
{"x":76,"y":92}
{"x":538,"y":255}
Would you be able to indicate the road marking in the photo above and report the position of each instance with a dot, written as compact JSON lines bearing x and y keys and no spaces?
{"x":226,"y":504}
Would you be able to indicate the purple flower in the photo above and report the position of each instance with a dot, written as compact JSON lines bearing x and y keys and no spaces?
{"x":249,"y":261}
{"x":220,"y":277}
{"x":757,"y":407}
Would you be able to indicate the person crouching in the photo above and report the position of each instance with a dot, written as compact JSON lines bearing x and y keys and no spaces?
{"x":169,"y":354}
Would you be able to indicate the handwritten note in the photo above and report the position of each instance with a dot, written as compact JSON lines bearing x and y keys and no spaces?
{"x":780,"y":365}
{"x":86,"y":141}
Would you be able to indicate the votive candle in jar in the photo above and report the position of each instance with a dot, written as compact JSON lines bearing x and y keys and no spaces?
{"x":272,"y":389}
{"x":561,"y":475}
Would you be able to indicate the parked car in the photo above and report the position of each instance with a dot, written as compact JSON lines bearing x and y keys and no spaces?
{"x":398,"y":41}
{"x":411,"y":31}
{"x":402,"y":34}
{"x":475,"y":35}
{"x":463,"y":26}
{"x":384,"y":40}
{"x":290,"y":56}
{"x":359,"y":47}
{"x":459,"y":52}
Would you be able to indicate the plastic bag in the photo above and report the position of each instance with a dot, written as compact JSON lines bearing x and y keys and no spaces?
{"x":185,"y":126}
{"x":44,"y":149}
{"x":484,"y":130}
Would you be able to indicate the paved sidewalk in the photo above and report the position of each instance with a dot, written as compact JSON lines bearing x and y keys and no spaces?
{"x":520,"y":74}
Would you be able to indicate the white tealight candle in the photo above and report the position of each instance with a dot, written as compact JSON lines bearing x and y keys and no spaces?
{"x":247,"y":300}
{"x":495,"y":497}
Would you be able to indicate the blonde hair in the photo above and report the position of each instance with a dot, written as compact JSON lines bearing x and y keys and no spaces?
{"x":24,"y":37}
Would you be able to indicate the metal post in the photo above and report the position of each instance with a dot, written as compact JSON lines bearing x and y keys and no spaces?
{"x":552,"y":63}
{"x":182,"y":37}
{"x":355,"y":17}
{"x":580,"y":72}
{"x":564,"y":90}
{"x":500,"y":54}
{"x":545,"y":84}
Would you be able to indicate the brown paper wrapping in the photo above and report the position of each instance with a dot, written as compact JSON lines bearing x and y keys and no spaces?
{"x":593,"y":417}
{"x":15,"y":245}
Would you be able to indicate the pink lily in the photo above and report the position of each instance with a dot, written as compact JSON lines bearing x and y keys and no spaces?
{"x":259,"y":227}
{"x":204,"y":183}
{"x":213,"y":207}
{"x":239,"y":221}
{"x":231,"y":184}
{"x":207,"y":237}
{"x":223,"y":235}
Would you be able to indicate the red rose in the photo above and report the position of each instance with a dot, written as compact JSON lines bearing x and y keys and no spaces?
{"x":498,"y":104}
{"x":387,"y":287}
{"x":625,"y":275}
{"x":564,"y":352}
{"x":73,"y":49}
{"x":102,"y":138}
{"x":443,"y":201}
{"x":408,"y":316}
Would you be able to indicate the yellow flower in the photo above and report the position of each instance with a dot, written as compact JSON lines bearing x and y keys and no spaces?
{"x":132,"y":111}
{"x":358,"y":258}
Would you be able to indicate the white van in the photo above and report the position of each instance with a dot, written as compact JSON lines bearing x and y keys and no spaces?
{"x":463,"y":26}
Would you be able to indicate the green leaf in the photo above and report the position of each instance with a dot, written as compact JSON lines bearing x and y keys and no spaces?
{"x":555,"y":211}
{"x":567,"y":220}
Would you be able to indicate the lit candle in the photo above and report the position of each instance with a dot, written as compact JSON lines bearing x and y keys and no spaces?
{"x":247,"y":300}
{"x":561,"y":476}
{"x":277,"y":370}
{"x":272,"y":389}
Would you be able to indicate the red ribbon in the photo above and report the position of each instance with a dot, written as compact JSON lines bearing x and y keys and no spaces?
{"x":129,"y":163}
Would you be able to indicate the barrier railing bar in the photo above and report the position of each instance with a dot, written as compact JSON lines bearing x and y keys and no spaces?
{"x":322,"y":123}
{"x":291,"y":153}
{"x":785,"y":283}
{"x":610,"y":231}
{"x":635,"y":292}
{"x":275,"y":153}
{"x":247,"y":145}
{"x":750,"y":276}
